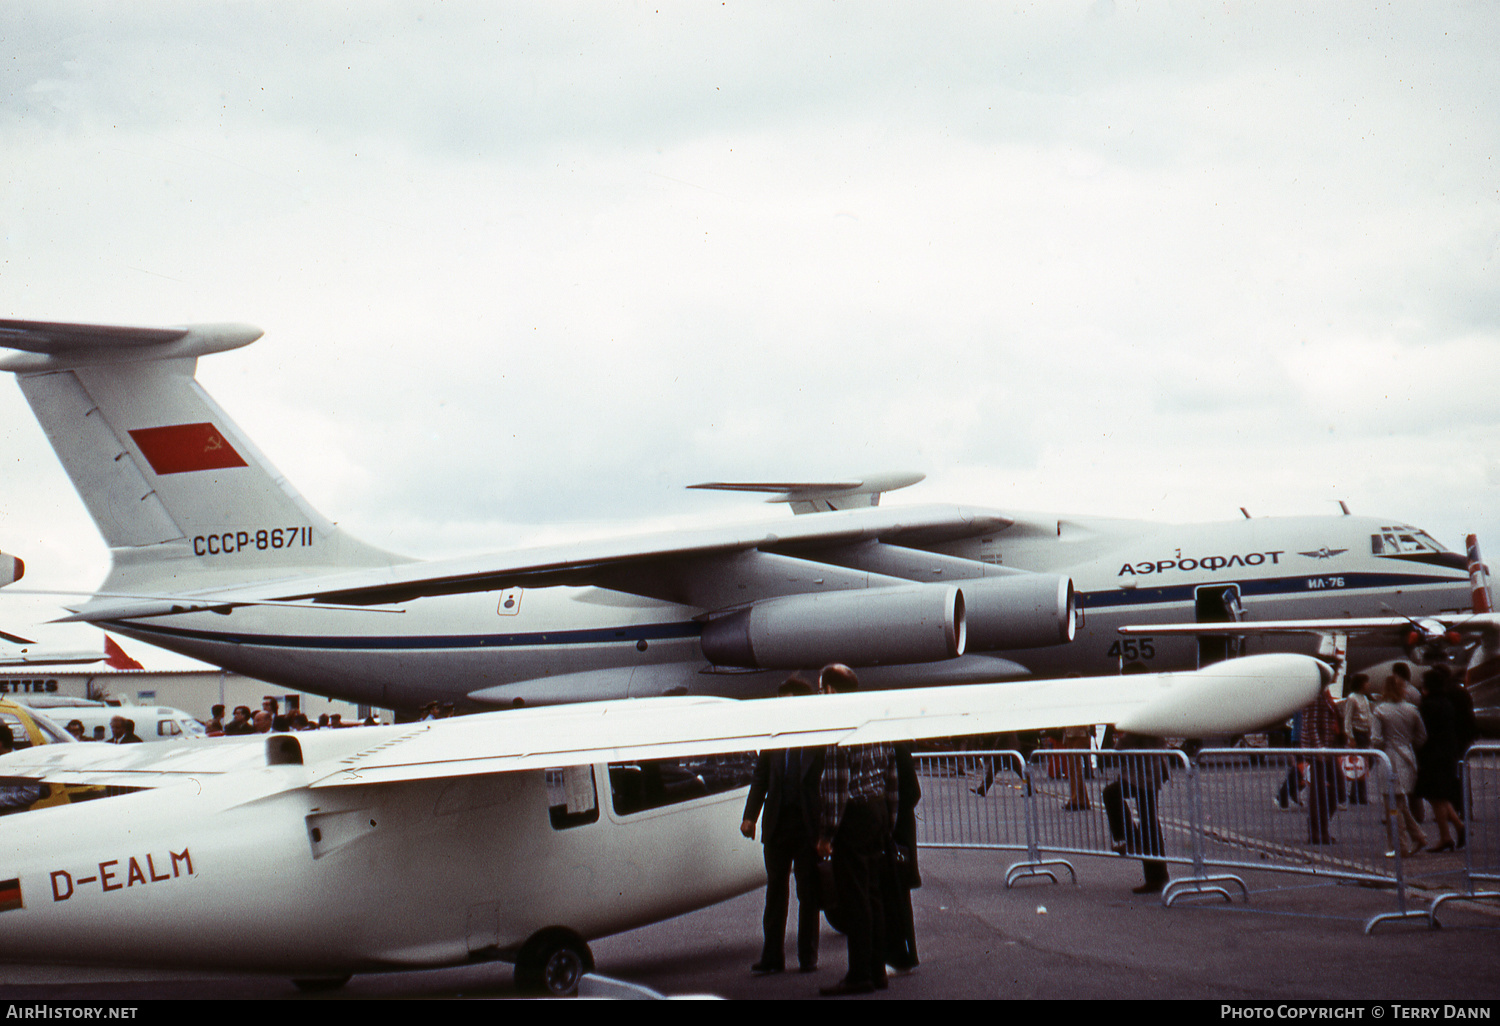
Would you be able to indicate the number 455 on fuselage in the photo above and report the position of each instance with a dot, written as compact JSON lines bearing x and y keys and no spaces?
{"x":216,"y":556}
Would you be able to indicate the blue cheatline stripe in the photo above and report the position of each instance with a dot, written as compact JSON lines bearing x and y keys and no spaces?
{"x":1138,"y":596}
{"x":1282,"y":586}
{"x":596,"y":636}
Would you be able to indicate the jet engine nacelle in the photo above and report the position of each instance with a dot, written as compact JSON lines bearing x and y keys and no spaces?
{"x":1020,"y":611}
{"x":919,"y":624}
{"x":11,"y":569}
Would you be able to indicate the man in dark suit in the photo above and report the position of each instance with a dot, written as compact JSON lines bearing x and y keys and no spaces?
{"x":122,"y":731}
{"x":785,"y":787}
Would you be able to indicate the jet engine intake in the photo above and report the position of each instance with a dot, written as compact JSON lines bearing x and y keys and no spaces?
{"x":1020,"y":611}
{"x":919,"y":624}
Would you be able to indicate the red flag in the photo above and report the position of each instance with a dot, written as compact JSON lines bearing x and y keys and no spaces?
{"x":180,"y":448}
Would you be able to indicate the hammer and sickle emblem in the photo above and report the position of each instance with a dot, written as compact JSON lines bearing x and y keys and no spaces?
{"x":213,"y":444}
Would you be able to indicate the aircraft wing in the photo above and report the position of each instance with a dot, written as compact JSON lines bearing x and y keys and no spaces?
{"x":1229,"y":697}
{"x":670,"y":564}
{"x":1397,"y":628}
{"x":144,"y":765}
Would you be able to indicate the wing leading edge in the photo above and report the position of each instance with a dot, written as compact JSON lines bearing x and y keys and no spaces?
{"x":1395,"y":628}
{"x":1226,"y":698}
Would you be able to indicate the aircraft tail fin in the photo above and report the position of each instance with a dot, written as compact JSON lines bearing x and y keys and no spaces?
{"x":1479,"y":578}
{"x":180,"y":494}
{"x":821,"y":496}
{"x":115,"y":657}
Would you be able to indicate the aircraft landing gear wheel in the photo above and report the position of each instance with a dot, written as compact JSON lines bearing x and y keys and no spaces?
{"x":552,"y":964}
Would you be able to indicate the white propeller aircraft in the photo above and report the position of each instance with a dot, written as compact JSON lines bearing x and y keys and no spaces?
{"x":217,"y":557}
{"x":517,"y":835}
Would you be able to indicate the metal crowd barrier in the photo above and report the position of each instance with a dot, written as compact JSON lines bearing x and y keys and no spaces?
{"x":1225,"y":810}
{"x":981,"y":800}
{"x":1481,"y":774}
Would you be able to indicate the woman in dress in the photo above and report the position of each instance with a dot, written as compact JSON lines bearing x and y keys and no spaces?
{"x":1396,"y":729}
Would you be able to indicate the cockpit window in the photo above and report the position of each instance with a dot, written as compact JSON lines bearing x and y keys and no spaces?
{"x":1402,"y":540}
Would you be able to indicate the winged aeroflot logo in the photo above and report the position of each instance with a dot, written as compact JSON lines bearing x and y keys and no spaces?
{"x":1324,"y":553}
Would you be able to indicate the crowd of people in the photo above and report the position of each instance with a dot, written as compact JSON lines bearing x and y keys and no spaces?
{"x":1424,"y":727}
{"x":267,"y":720}
{"x":270,"y":720}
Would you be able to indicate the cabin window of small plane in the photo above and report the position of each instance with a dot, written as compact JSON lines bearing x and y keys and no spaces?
{"x":654,"y":783}
{"x":572,"y":798}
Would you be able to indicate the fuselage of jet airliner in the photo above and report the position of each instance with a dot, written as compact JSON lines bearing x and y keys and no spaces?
{"x":558,"y":644}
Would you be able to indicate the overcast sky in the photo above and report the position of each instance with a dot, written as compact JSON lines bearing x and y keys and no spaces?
{"x":529,"y":269}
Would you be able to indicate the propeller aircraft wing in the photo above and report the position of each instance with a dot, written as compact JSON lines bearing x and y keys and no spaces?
{"x":1230,"y":697}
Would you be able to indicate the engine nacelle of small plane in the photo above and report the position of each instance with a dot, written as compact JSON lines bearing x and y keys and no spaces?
{"x":1023,"y":611}
{"x":919,"y":624}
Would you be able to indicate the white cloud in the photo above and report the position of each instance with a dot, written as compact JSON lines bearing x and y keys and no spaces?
{"x":536,"y":263}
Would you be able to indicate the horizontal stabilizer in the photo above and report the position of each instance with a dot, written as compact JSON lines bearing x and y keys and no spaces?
{"x":58,"y":346}
{"x":821,"y":496}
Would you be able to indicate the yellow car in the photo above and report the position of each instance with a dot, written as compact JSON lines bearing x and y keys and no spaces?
{"x":29,"y":729}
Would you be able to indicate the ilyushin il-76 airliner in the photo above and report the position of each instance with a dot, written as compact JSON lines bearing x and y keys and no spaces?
{"x":216,"y":556}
